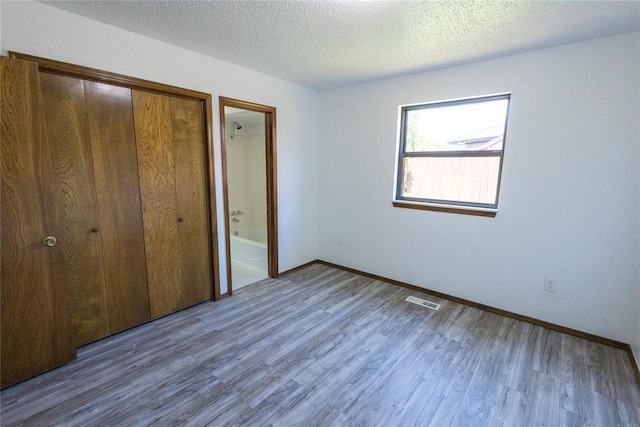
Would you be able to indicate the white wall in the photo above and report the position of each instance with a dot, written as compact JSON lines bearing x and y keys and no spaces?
{"x":236,"y":179}
{"x":41,"y":30}
{"x":568,"y":204}
{"x":636,"y":344}
{"x":247,"y":173}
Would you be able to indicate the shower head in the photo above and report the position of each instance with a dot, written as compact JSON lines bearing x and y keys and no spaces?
{"x":236,"y":126}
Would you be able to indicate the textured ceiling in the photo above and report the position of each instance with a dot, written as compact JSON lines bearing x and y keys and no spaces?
{"x":328,"y":44}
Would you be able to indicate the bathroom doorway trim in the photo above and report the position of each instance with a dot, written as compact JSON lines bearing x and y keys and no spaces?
{"x":272,"y":188}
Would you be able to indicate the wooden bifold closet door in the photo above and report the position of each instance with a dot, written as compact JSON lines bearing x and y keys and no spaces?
{"x":170,"y":145}
{"x":118,"y":171}
{"x":91,"y":133}
{"x":35,"y":324}
{"x":129,"y":168}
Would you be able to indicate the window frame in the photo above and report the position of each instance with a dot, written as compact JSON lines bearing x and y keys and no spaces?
{"x":442,"y":205}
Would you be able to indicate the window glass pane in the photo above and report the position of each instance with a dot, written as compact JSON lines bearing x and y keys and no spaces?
{"x":469,"y":126}
{"x":456,"y":179}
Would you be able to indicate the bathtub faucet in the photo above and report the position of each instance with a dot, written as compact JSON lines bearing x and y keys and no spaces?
{"x":235,"y":220}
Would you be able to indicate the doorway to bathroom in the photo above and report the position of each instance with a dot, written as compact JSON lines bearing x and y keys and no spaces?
{"x":249,"y":190}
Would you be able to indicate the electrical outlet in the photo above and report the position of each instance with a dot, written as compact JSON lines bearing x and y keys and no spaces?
{"x":550,"y":285}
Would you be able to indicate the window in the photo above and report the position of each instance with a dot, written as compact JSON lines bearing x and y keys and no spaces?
{"x":450,"y":155}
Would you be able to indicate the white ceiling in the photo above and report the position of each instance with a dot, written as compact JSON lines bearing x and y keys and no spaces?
{"x":328,"y":44}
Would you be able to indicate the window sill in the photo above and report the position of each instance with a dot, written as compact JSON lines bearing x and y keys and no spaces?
{"x":463,"y":210}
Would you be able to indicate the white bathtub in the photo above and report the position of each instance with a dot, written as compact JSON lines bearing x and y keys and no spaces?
{"x":251,"y":233}
{"x":250,"y":247}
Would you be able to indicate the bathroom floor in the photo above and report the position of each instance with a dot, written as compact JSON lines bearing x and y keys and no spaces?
{"x":243,"y":274}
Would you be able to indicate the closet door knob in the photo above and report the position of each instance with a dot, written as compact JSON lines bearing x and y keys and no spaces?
{"x":180,"y":219}
{"x":49,"y":241}
{"x":94,"y":230}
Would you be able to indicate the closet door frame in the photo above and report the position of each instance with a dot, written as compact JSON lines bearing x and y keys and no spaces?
{"x":85,"y":73}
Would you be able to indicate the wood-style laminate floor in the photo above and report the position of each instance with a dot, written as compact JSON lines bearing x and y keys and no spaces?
{"x":327,"y":347}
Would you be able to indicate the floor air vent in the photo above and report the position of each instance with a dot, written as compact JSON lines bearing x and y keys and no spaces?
{"x":423,"y":302}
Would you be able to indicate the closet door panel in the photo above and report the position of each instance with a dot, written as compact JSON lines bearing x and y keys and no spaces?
{"x":66,"y":119}
{"x":35,"y":324}
{"x":118,"y":194}
{"x":154,"y":144}
{"x":193,"y":223}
